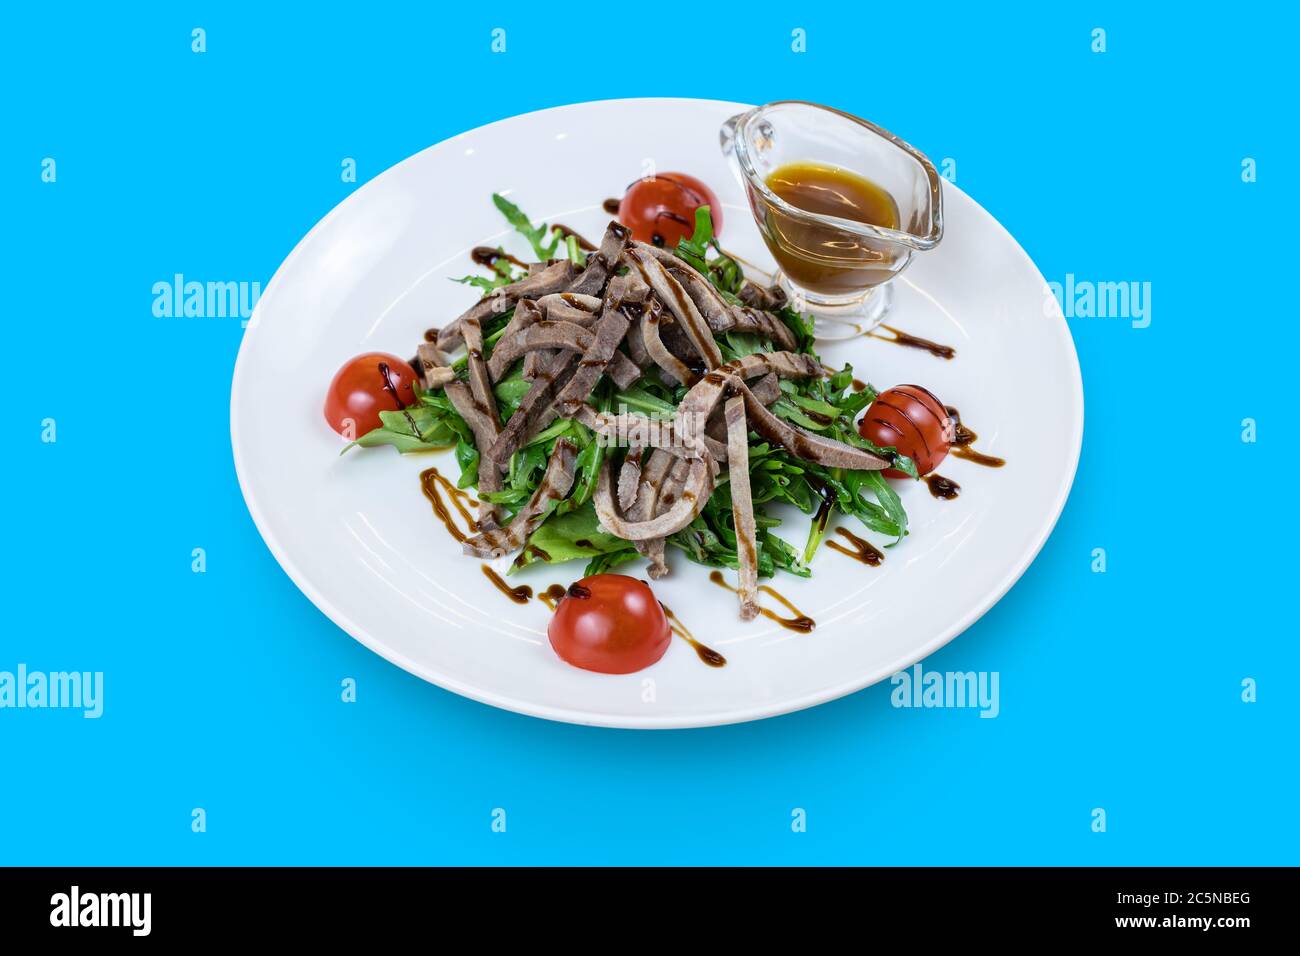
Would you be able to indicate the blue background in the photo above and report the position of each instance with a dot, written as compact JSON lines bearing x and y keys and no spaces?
{"x":1118,"y":690}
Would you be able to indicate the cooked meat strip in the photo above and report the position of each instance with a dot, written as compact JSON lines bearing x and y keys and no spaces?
{"x":489,"y":478}
{"x":629,"y":478}
{"x":676,"y":515}
{"x":742,"y":507}
{"x":698,"y":404}
{"x":555,"y":485}
{"x":671,"y":293}
{"x":432,"y":366}
{"x":479,"y":381}
{"x":805,"y":444}
{"x":527,"y":313}
{"x":655,"y":473}
{"x":534,"y":362}
{"x":651,"y":322}
{"x":538,"y":401}
{"x":655,"y":549}
{"x":720,"y":315}
{"x":554,"y":278}
{"x":547,"y":335}
{"x":766,"y":388}
{"x":602,"y":262}
{"x":636,"y":344}
{"x":762,"y":297}
{"x":570,"y":307}
{"x":574,"y":300}
{"x":763,"y":324}
{"x":654,"y":470}
{"x":634,"y":429}
{"x":486,"y":427}
{"x":607,"y":333}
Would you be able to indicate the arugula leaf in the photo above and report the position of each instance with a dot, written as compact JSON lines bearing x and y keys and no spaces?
{"x":536,"y":235}
{"x":420,"y":427}
{"x":694,"y":250}
{"x":567,"y":537}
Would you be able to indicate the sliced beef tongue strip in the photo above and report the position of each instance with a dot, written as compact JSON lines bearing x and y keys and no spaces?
{"x":698,"y":404}
{"x":659,"y":353}
{"x":635,"y":429}
{"x":629,"y":477}
{"x":655,"y":549}
{"x":766,"y":388}
{"x":674,"y":297}
{"x":479,"y":380}
{"x":682,"y":511}
{"x":570,"y":307}
{"x":432,"y":366}
{"x":763,"y":324}
{"x":486,"y":427}
{"x":536,"y":403}
{"x":602,"y":262}
{"x":489,"y":478}
{"x":805,"y":444}
{"x":607,"y":333}
{"x":554,"y":278}
{"x":655,"y":472}
{"x":766,"y":298}
{"x":555,"y":485}
{"x":720,"y":315}
{"x":547,"y":335}
{"x":742,"y":507}
{"x":527,"y":314}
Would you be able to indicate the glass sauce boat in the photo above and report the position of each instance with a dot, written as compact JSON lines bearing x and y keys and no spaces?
{"x":837,"y":268}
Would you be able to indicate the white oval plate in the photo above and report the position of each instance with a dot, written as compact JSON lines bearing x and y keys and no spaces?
{"x":358,"y":537}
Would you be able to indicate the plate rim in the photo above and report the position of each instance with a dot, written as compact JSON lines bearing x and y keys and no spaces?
{"x":597,"y":718}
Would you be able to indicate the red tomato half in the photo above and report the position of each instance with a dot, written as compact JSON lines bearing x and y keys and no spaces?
{"x":912,"y":420}
{"x":661,"y":209}
{"x":365,"y":386}
{"x":610,"y":623}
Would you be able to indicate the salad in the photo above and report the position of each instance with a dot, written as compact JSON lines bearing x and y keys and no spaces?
{"x":642,"y":400}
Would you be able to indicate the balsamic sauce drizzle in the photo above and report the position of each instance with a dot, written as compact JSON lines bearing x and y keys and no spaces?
{"x":552,"y":596}
{"x":799,"y":622}
{"x":907,"y":339}
{"x":706,"y":654}
{"x":860,"y":550}
{"x":433,"y":483}
{"x":489,"y":256}
{"x":942,"y":487}
{"x":964,"y":439}
{"x":520,"y":595}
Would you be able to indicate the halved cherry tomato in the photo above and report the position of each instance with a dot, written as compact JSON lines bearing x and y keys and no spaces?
{"x":912,"y":420}
{"x":661,"y":209}
{"x":365,"y":386}
{"x":610,"y":623}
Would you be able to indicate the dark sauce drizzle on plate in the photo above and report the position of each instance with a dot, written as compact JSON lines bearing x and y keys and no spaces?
{"x":520,"y":595}
{"x":942,"y":487}
{"x":552,"y":596}
{"x":434,"y":484}
{"x":706,"y":654}
{"x":489,"y":256}
{"x":799,"y":622}
{"x":964,"y":439}
{"x":859,"y":549}
{"x":908,"y":340}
